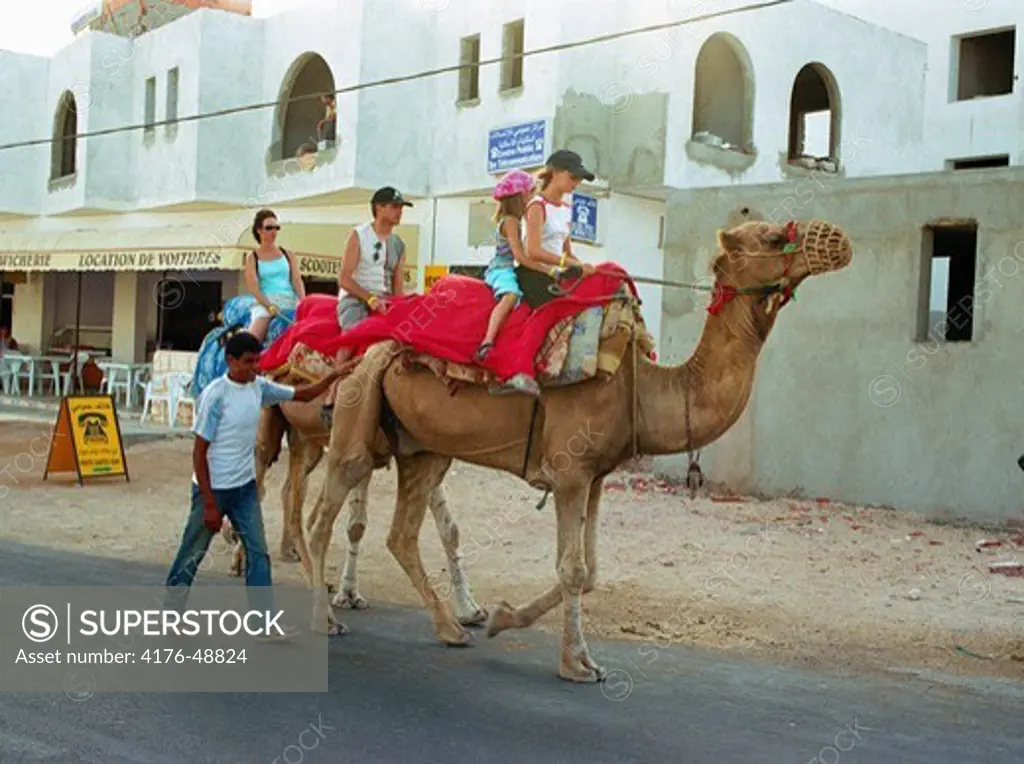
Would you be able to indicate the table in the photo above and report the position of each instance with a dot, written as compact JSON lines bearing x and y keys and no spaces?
{"x":132,"y":374}
{"x":51,"y":364}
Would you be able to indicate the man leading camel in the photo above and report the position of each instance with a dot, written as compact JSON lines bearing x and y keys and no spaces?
{"x":223,"y":458}
{"x":372,"y":267}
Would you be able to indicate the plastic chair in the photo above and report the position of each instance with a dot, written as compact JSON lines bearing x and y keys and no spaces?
{"x":163,"y":387}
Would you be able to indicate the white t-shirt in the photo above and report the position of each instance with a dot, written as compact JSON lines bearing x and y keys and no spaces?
{"x":228,"y":416}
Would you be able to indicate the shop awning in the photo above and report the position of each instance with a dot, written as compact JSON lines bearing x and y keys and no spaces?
{"x":205,"y":245}
{"x":166,"y":248}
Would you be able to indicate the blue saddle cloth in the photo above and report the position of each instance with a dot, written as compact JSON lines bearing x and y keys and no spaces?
{"x":212,"y":363}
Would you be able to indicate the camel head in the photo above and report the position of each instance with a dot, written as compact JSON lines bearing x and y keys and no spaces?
{"x":760,"y":256}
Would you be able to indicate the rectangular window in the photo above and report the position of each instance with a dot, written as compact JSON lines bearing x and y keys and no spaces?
{"x":469,"y":77}
{"x":947,"y":301}
{"x":172,"y":95}
{"x":983,"y":65}
{"x":150,"y":116}
{"x":978,"y":163}
{"x":512,"y":49}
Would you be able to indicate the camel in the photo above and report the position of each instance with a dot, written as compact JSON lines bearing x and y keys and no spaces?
{"x":575,"y":436}
{"x":307,"y":437}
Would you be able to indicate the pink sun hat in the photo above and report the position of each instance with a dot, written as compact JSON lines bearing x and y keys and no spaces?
{"x":514,"y":182}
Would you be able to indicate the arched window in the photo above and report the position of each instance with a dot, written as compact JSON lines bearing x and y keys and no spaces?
{"x":65,"y":138}
{"x":723,"y":94}
{"x":814,"y":115}
{"x":303,"y":126}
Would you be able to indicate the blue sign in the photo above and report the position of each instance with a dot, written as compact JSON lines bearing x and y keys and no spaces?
{"x":516,"y":146}
{"x":584,"y":218}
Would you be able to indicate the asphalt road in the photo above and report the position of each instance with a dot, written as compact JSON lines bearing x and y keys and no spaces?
{"x":397,"y":696}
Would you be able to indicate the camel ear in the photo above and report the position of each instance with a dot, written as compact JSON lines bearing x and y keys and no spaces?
{"x":728,"y":241}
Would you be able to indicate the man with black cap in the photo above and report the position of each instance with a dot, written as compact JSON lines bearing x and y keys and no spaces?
{"x":374,"y":255}
{"x":371,"y":270}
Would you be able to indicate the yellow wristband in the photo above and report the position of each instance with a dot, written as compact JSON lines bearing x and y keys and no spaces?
{"x":561,"y":263}
{"x":372,"y":300}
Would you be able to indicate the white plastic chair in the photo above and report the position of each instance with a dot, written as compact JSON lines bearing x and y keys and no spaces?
{"x":169,"y":387}
{"x":116,"y":380}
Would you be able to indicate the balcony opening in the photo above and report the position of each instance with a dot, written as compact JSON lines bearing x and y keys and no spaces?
{"x":65,"y":134}
{"x":469,"y":75}
{"x":513,"y":45}
{"x":947,"y":300}
{"x":307,"y":111}
{"x":814,"y":119}
{"x":983,"y":65}
{"x":978,"y":163}
{"x":723,"y":95}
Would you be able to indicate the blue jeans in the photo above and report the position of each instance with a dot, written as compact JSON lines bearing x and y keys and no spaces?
{"x":242,"y":507}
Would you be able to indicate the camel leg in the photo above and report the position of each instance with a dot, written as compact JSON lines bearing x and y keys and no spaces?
{"x":466,"y":609}
{"x":418,"y":476}
{"x":574,"y":577}
{"x":301,"y":463}
{"x":590,"y":534}
{"x":348,"y":596}
{"x":344,"y":473}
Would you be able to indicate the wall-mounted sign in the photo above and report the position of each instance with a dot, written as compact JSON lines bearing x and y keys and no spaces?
{"x":523,"y":145}
{"x":584,"y":218}
{"x":125,"y":260}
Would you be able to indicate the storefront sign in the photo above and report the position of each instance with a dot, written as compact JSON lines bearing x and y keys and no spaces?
{"x":520,"y":145}
{"x":128,"y":260}
{"x":432,"y":274}
{"x":584,"y":218}
{"x":87,"y":439}
{"x":320,"y":267}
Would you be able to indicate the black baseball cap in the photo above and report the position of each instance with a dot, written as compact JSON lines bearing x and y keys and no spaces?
{"x":563,"y":159}
{"x":389,"y":195}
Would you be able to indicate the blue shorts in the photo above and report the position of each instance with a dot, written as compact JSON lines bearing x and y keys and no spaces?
{"x":503,"y":281}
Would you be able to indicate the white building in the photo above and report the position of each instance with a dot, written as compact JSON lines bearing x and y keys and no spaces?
{"x":722,"y":110}
{"x":191,"y":186}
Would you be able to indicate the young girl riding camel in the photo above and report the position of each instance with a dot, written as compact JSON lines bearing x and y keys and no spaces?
{"x":548,"y":221}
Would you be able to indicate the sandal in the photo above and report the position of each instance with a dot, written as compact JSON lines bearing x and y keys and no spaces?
{"x":482,"y":351}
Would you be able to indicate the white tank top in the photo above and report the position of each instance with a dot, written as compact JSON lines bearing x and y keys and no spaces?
{"x":557,"y":224}
{"x":370,"y":275}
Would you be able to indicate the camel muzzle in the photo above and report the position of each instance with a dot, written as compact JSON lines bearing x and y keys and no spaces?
{"x":826,"y":247}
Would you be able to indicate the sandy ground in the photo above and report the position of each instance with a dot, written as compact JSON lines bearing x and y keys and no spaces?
{"x":812,"y":583}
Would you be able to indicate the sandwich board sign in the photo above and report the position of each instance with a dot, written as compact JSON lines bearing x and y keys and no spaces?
{"x":87,"y":439}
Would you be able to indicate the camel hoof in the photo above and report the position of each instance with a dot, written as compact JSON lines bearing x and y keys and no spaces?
{"x":350,"y":600}
{"x":290,"y":556}
{"x":465,"y":639}
{"x":581,"y":674}
{"x":476,"y":620}
{"x":501,"y":618}
{"x":328,"y":627}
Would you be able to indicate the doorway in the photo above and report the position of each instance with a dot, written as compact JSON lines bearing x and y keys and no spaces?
{"x":188,"y":313}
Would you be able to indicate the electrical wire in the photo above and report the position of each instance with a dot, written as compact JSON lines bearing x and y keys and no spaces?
{"x":405,"y":78}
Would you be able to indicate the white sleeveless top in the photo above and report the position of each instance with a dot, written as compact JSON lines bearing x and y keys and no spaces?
{"x":557,"y":224}
{"x":370,"y":275}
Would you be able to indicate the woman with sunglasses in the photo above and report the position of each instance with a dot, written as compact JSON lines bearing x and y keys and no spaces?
{"x":270,"y":276}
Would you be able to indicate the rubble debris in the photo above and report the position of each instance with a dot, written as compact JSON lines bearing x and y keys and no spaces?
{"x":1013,"y":569}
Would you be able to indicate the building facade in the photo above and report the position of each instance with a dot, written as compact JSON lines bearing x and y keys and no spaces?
{"x":889,"y":383}
{"x":722,"y":110}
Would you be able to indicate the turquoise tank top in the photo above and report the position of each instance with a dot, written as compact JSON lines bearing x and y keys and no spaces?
{"x":275,"y":276}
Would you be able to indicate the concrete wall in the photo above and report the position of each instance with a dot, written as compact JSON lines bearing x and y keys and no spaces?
{"x":847,"y":403}
{"x":22,"y":79}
